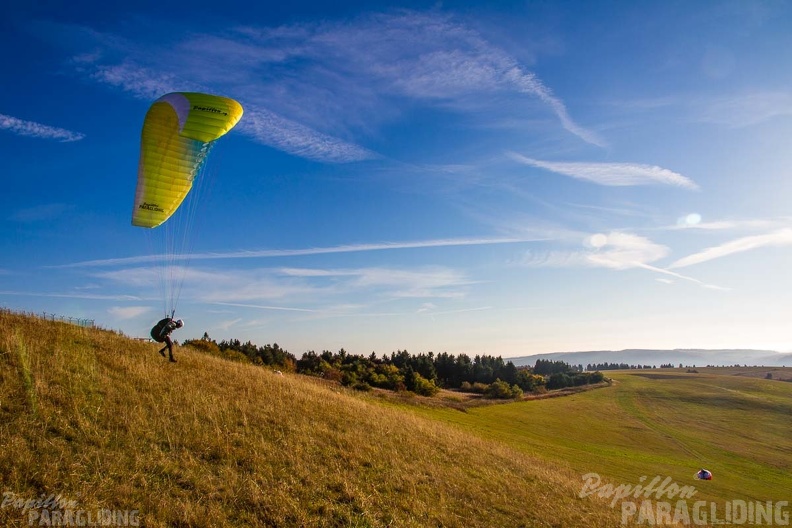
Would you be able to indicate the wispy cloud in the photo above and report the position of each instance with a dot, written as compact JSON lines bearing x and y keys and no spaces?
{"x":620,"y":251}
{"x":351,"y":248}
{"x":141,"y":82}
{"x":225,"y":325}
{"x":128,"y":312}
{"x":258,"y":123}
{"x":319,"y":285}
{"x":212,"y":286}
{"x":529,"y":84}
{"x":21,"y":127}
{"x":628,"y":210}
{"x":259,"y":307}
{"x":423,"y":56}
{"x":290,"y":136}
{"x":332,"y":83}
{"x":611,"y":174}
{"x":643,"y":104}
{"x":432,"y":281}
{"x":780,"y":238}
{"x":301,"y":287}
{"x":732,"y":111}
{"x":747,"y":109}
{"x":68,"y":295}
{"x":682,"y":277}
{"x":726,"y":225}
{"x":616,"y":251}
{"x":431,"y":310}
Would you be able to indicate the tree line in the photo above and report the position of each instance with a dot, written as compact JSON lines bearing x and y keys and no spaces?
{"x":423,"y":373}
{"x":626,"y":366}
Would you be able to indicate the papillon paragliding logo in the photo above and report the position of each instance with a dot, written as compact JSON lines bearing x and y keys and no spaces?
{"x":178,"y":133}
{"x":662,"y":502}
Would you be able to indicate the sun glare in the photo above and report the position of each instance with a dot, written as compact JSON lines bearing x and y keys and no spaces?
{"x":598,"y":240}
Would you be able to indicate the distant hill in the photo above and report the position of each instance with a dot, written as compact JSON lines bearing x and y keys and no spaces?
{"x":687,"y":357}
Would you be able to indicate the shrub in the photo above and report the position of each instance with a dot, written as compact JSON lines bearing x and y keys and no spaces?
{"x":597,"y":377}
{"x":211,"y":348}
{"x":423,"y":386}
{"x":477,"y":387}
{"x":502,"y":391}
{"x":349,"y":379}
{"x":559,"y":380}
{"x":528,"y":381}
{"x":517,"y":392}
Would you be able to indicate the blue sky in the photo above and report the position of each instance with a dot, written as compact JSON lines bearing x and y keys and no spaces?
{"x":505,"y":178}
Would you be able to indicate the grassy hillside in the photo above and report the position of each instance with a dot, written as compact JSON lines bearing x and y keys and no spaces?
{"x":666,"y":423}
{"x":104,"y":421}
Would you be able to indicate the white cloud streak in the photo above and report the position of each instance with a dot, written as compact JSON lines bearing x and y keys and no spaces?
{"x":530,"y":84}
{"x":309,"y":285}
{"x":269,"y":128}
{"x":128,"y":312}
{"x":98,"y":297}
{"x":300,"y":285}
{"x":616,"y":251}
{"x":780,"y":238}
{"x":430,"y":310}
{"x":425,"y":282}
{"x":216,"y":285}
{"x":727,"y":225}
{"x":225,"y":325}
{"x":259,"y":307}
{"x":21,"y":127}
{"x":679,"y":276}
{"x":274,"y":253}
{"x":611,"y":174}
{"x":624,"y":251}
{"x":140,"y":82}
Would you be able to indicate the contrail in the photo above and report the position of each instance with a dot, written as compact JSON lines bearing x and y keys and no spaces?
{"x":274,"y":253}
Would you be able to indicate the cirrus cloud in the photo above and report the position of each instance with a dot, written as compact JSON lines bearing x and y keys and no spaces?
{"x":615,"y":250}
{"x":611,"y":174}
{"x":128,"y":312}
{"x":780,"y":238}
{"x":318,"y":90}
{"x":21,"y":127}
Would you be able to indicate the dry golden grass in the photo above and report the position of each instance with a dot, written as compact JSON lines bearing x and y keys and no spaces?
{"x":106,"y":421}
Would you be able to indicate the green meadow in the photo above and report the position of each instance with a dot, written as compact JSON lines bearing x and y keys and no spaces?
{"x":103,"y":421}
{"x":651,"y":423}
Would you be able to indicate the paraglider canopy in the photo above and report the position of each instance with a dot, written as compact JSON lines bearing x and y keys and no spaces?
{"x":704,"y":474}
{"x":178,"y":132}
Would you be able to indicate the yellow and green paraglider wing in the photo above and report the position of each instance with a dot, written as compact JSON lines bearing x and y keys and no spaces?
{"x":177,"y":134}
